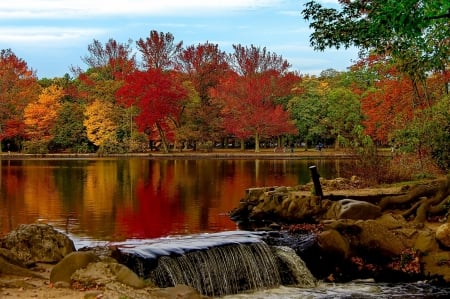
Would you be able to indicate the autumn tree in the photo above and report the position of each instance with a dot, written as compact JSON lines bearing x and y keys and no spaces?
{"x":101,"y":126}
{"x":40,"y":116}
{"x":114,"y":59}
{"x":18,"y":87}
{"x":159,"y":97}
{"x":159,"y":50}
{"x":247,"y":61}
{"x":249,"y":93}
{"x":204,"y":65}
{"x":109,"y":64}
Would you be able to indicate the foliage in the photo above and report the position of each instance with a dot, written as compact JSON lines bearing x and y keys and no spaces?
{"x":36,"y":146}
{"x":252,"y":60}
{"x":308,"y":108}
{"x":249,"y":109}
{"x":159,"y":96}
{"x":115,"y":60}
{"x":428,"y":134}
{"x":411,"y":30}
{"x":203,"y":65}
{"x":18,"y":87}
{"x":100,"y":124}
{"x":159,"y":50}
{"x":40,"y":116}
{"x":411,"y":35}
{"x":370,"y":165}
{"x":69,"y":131}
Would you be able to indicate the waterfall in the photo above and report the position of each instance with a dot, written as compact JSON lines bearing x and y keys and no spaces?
{"x":219,"y":271}
{"x":217,"y":264}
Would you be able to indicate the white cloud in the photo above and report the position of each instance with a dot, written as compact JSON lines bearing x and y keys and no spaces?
{"x":43,"y":35}
{"x":64,"y":9}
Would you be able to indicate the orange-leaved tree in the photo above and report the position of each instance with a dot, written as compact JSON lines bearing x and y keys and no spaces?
{"x":40,"y":116}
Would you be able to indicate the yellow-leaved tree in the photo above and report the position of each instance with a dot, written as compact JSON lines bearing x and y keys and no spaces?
{"x":100,"y":123}
{"x":40,"y":116}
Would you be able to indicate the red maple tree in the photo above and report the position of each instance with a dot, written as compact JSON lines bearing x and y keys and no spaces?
{"x":159,"y":96}
{"x":249,"y":109}
{"x":18,"y":87}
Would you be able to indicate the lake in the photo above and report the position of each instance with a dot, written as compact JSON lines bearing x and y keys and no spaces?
{"x":114,"y":199}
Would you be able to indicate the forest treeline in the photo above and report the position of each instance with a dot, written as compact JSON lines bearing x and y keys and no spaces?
{"x":159,"y":93}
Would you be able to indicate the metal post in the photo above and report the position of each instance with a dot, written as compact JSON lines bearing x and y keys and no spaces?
{"x":315,"y":177}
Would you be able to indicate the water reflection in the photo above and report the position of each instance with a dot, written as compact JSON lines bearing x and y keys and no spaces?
{"x":117,"y":199}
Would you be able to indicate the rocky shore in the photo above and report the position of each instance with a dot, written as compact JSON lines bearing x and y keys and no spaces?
{"x":354,"y":233}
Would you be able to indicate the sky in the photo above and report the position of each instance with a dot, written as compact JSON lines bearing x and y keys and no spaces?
{"x":53,"y":35}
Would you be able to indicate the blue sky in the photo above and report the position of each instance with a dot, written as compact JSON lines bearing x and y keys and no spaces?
{"x":52,"y":35}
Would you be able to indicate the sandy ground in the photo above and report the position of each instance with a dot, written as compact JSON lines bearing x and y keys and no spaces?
{"x":31,"y":287}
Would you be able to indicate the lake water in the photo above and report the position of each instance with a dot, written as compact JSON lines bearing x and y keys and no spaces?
{"x":117,"y":199}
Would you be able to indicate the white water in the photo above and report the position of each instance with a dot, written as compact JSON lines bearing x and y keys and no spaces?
{"x":352,"y":290}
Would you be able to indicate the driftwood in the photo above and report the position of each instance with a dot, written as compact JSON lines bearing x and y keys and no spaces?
{"x":421,"y":201}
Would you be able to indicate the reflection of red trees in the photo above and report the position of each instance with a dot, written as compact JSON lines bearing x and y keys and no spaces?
{"x":158,"y":212}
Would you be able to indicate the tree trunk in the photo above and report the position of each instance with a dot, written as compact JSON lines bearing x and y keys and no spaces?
{"x":257,"y":150}
{"x":163,"y":138}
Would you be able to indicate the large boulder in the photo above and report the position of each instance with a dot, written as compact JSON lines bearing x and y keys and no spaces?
{"x":374,"y":236}
{"x":35,"y":243}
{"x":334,"y":244}
{"x":356,"y":209}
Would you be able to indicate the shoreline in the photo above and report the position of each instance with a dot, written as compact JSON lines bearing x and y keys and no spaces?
{"x":216,"y":154}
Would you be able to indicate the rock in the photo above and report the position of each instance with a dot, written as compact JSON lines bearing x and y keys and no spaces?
{"x":392,"y":221}
{"x":11,"y":269}
{"x":358,"y":210}
{"x":63,"y":270}
{"x":103,"y":273}
{"x":426,"y":242}
{"x":293,"y":270}
{"x":332,"y":242}
{"x":437,"y":265}
{"x":378,"y":238}
{"x":443,"y":234}
{"x":126,"y":276}
{"x":37,"y":243}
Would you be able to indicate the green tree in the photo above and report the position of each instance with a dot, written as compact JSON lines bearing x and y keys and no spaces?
{"x":69,"y":131}
{"x":343,"y":113}
{"x":309,"y":110}
{"x":412,"y":33}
